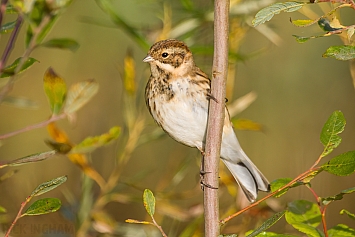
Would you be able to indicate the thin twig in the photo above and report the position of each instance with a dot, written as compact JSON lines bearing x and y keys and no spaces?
{"x":34,"y":126}
{"x":31,"y":46}
{"x":2,"y":10}
{"x":159,"y":227}
{"x":18,"y":216}
{"x":322,"y":210}
{"x":324,"y":222}
{"x":11,"y":42}
{"x":299,"y":177}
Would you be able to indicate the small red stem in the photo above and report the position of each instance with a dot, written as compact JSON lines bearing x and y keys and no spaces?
{"x":322,"y":210}
{"x":34,"y":126}
{"x":18,"y":216}
{"x":324,"y":221}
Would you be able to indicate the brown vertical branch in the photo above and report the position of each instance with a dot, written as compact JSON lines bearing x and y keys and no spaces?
{"x":216,"y":117}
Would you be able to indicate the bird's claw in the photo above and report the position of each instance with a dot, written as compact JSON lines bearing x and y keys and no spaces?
{"x":202,"y":181}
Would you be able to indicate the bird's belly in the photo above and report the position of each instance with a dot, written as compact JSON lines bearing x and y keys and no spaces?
{"x":184,"y":118}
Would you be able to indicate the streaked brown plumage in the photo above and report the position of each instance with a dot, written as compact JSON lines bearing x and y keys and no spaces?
{"x":177,"y":96}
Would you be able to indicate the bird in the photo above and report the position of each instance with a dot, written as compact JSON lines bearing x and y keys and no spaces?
{"x":177,"y":95}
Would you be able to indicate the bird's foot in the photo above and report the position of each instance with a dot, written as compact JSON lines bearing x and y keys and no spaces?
{"x":202,"y":181}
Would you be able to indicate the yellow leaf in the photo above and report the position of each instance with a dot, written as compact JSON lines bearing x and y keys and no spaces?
{"x":58,"y":135}
{"x":129,"y":73}
{"x":79,"y":94}
{"x":55,"y":89}
{"x":80,"y":160}
{"x":138,"y":222}
{"x":91,"y":143}
{"x":245,"y":124}
{"x":302,"y":23}
{"x":335,"y":23}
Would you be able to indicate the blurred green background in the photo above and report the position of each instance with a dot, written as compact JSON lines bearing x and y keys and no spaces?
{"x":297,"y":90}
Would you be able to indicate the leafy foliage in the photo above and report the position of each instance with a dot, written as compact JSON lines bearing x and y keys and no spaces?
{"x":268,"y":13}
{"x":342,"y":52}
{"x":349,"y":214}
{"x":329,"y":136}
{"x":29,"y":159}
{"x":149,"y":201}
{"x":341,"y":165}
{"x":91,"y":143}
{"x":267,"y":224}
{"x":48,"y":186}
{"x":79,"y":94}
{"x":13,"y":68}
{"x":328,"y":200}
{"x":55,"y":89}
{"x":43,"y":206}
{"x":331,"y":27}
{"x":280,"y":183}
{"x":62,"y":43}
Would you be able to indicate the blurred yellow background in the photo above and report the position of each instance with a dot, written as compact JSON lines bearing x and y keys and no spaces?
{"x":297,"y":90}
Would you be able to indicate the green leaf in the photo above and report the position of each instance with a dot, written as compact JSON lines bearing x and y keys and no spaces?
{"x":79,"y":94}
{"x":108,"y":8}
{"x":301,"y":39}
{"x":149,"y":201}
{"x":91,"y":143}
{"x":10,"y":9}
{"x":341,"y":230}
{"x":279,"y":183}
{"x":2,"y":209}
{"x":342,"y":52}
{"x":328,"y":200}
{"x":62,"y":43}
{"x":303,"y":212}
{"x":43,"y":206}
{"x":268,"y":223}
{"x":23,"y":6}
{"x":309,"y":230}
{"x":31,"y":158}
{"x":55,"y":89}
{"x":267,"y":13}
{"x":48,"y":186}
{"x":329,"y":135}
{"x":305,"y":217}
{"x":20,"y":102}
{"x":349,"y":214}
{"x":12,"y":69}
{"x":303,"y":23}
{"x":272,"y":234}
{"x":228,"y":235}
{"x":310,"y":176}
{"x":39,"y":13}
{"x":8,"y":27}
{"x":341,"y":165}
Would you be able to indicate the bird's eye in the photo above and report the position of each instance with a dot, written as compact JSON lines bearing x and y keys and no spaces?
{"x":164,"y":55}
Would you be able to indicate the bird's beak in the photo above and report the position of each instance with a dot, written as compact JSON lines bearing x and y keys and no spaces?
{"x":148,"y":59}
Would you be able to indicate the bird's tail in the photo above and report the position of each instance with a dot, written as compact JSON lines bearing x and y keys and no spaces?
{"x":248,"y":176}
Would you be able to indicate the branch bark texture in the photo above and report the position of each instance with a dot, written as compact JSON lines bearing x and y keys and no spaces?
{"x":216,"y":117}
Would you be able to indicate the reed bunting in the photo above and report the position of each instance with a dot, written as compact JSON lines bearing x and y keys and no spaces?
{"x":177,"y":95}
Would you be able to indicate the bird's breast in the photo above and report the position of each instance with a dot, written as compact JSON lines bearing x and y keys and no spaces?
{"x":182,"y":112}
